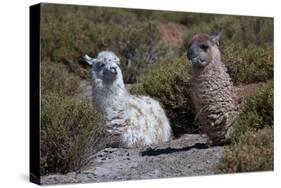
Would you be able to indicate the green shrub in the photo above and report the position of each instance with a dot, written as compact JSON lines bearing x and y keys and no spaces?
{"x":238,"y":30}
{"x":93,"y":29}
{"x":252,"y":146}
{"x":140,"y":46}
{"x":67,"y":128}
{"x":70,"y":125}
{"x":68,"y":32}
{"x":169,"y":82}
{"x":254,"y":152}
{"x":248,"y":65}
{"x":185,"y":18}
{"x":168,"y":16}
{"x":257,"y":113}
{"x":56,"y":78}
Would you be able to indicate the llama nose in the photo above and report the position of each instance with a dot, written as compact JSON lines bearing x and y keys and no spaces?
{"x":113,"y":70}
{"x":190,"y":53}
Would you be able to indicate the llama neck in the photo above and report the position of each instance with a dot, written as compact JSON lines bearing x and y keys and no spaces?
{"x":215,"y":73}
{"x":109,"y":96}
{"x":214,"y":68}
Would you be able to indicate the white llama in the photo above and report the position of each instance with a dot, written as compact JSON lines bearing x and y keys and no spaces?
{"x":133,"y":120}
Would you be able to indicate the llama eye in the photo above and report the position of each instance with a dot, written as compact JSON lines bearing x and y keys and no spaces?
{"x":204,"y":47}
{"x":102,"y":65}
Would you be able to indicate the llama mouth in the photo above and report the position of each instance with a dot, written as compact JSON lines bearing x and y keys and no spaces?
{"x":109,"y":76}
{"x":110,"y":72}
{"x":197,"y":60}
{"x":114,"y":72}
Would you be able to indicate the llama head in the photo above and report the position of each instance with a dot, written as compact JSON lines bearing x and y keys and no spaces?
{"x":105,"y":67}
{"x":203,"y":49}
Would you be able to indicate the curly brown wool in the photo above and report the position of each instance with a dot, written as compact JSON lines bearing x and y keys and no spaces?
{"x":212,"y":90}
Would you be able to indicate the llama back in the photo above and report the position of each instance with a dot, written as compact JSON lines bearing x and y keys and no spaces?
{"x":133,"y":121}
{"x":147,"y":123}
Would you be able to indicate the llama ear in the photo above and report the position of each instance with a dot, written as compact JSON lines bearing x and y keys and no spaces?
{"x":89,"y":60}
{"x":215,"y":39}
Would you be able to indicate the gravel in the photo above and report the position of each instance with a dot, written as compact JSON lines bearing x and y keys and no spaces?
{"x":188,"y":155}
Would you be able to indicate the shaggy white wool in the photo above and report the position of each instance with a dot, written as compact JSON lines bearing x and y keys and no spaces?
{"x":133,"y":120}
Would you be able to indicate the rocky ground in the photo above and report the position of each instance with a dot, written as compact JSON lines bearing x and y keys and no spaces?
{"x":188,"y":155}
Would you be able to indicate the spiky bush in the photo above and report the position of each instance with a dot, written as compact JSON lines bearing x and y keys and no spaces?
{"x":140,"y":46}
{"x":254,"y":152}
{"x":257,"y":112}
{"x":67,"y":128}
{"x":56,"y":78}
{"x":252,"y":146}
{"x":93,"y":29}
{"x":248,"y":65}
{"x":71,"y":128}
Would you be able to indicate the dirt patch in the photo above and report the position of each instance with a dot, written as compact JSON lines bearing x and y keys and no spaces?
{"x":188,"y":155}
{"x":172,"y":33}
{"x":245,"y":91}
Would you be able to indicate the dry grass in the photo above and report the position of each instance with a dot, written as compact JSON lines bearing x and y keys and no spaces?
{"x":70,"y":126}
{"x":257,"y":112}
{"x":252,"y":146}
{"x":250,"y":64}
{"x":254,"y":152}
